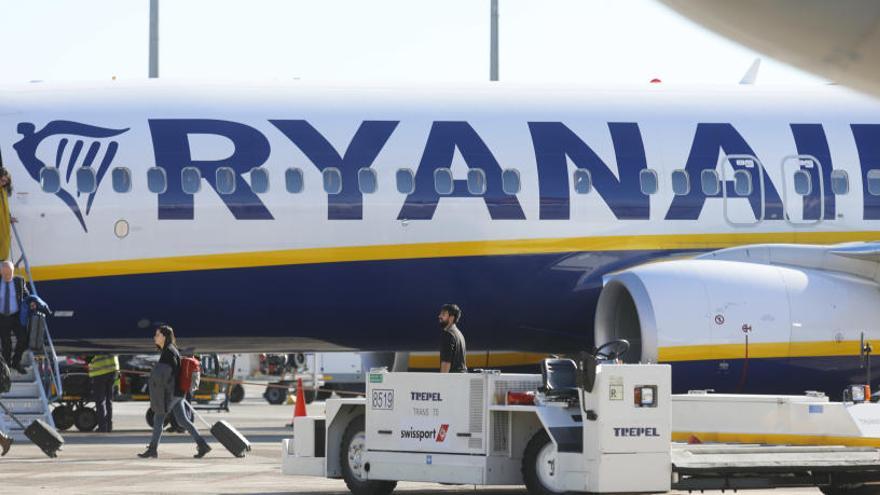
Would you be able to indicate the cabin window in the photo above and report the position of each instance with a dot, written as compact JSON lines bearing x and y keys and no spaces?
{"x":510,"y":182}
{"x":742,"y":183}
{"x":50,"y":180}
{"x":839,"y":182}
{"x":405,"y":179}
{"x":874,"y":182}
{"x":121,"y":178}
{"x":225,"y":178}
{"x":190,"y":180}
{"x":259,"y":180}
{"x":332,"y":180}
{"x":293,"y":179}
{"x":648,"y":181}
{"x":583,"y":181}
{"x":368,"y":182}
{"x":709,"y":182}
{"x":157,"y":181}
{"x":443,"y":182}
{"x":802,"y":182}
{"x":85,"y":180}
{"x":476,"y":182}
{"x":681,"y":182}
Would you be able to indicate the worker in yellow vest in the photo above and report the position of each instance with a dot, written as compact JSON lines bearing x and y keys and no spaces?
{"x":103,"y":370}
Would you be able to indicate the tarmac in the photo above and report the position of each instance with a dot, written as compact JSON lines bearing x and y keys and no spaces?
{"x":106,"y":463}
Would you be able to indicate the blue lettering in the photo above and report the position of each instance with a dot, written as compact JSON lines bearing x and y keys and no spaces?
{"x":867,"y":137}
{"x":365,"y":146}
{"x":810,"y":140}
{"x":555,"y":143}
{"x":709,"y":140}
{"x":443,"y":139}
{"x":171,"y":147}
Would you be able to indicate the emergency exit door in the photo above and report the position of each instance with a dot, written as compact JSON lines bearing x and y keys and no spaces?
{"x":803,"y":190}
{"x":742,"y":186}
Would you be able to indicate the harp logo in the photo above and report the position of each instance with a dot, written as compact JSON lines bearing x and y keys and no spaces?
{"x":69,"y":146}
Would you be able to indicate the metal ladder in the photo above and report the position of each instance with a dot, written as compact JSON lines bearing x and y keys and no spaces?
{"x":32,"y":393}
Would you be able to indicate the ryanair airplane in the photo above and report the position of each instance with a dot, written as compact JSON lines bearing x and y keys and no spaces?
{"x":727,"y":230}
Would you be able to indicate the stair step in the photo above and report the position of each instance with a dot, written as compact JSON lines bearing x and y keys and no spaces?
{"x":26,"y":420}
{"x":27,"y":377}
{"x":22,"y":390}
{"x":24,"y":406}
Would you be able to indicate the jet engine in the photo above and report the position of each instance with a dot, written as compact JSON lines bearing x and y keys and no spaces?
{"x":789,"y":301}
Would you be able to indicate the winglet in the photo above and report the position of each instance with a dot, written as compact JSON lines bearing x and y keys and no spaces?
{"x":752,"y":74}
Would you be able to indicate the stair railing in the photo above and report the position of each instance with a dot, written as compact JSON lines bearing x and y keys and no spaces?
{"x":49,"y":371}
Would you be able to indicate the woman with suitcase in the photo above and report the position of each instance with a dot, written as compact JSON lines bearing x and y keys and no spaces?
{"x":166,"y":396}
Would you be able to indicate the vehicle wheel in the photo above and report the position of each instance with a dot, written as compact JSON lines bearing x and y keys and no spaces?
{"x":324,"y":394}
{"x":85,"y":419}
{"x":63,"y":417}
{"x":236,"y":394}
{"x":275,"y":395}
{"x":177,"y":427}
{"x":149,"y":417}
{"x":539,"y":465}
{"x":351,"y":458}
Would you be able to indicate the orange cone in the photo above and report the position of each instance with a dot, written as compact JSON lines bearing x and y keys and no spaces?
{"x":300,"y":408}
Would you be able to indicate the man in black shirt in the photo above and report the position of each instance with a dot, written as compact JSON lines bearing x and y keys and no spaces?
{"x":452,"y":347}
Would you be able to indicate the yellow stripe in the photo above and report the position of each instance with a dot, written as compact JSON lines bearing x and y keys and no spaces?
{"x":436,"y":250}
{"x":774,"y":439}
{"x":478,"y":360}
{"x":758,"y":350}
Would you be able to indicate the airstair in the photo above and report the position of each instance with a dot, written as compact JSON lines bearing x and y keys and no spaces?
{"x":33,"y":392}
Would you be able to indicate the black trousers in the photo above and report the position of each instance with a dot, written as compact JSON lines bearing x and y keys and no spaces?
{"x":102,"y":387}
{"x":10,"y":325}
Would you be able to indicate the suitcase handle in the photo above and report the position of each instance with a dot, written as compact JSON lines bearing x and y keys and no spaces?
{"x":195,"y":413}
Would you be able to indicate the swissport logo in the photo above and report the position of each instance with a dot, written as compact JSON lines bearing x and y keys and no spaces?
{"x":68,"y":146}
{"x":439,"y":436}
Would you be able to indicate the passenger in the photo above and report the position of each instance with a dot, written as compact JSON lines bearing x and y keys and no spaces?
{"x":452,"y":348}
{"x":13,"y":291}
{"x":165,"y":395}
{"x":103,"y":370}
{"x":5,"y":214}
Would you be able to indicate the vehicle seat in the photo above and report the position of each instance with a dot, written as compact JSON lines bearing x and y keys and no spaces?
{"x":560,"y":378}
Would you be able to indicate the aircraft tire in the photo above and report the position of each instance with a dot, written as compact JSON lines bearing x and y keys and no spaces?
{"x":63,"y":417}
{"x":85,"y":419}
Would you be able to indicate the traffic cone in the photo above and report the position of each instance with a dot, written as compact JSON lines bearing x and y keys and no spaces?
{"x":300,"y":408}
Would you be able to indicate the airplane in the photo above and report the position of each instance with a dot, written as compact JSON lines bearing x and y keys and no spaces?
{"x":730,"y":231}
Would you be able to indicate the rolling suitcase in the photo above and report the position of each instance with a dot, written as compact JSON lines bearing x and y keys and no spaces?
{"x":227,"y":435}
{"x":41,"y":434}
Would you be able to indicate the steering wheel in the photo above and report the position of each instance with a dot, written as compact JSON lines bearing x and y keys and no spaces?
{"x":613,"y":350}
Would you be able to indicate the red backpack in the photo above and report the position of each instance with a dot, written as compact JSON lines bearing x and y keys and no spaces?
{"x":190,"y":374}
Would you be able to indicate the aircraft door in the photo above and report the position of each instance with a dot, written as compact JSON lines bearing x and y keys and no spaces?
{"x":742,"y":186}
{"x":803,"y":190}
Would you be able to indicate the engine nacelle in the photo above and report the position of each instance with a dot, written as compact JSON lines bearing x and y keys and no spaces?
{"x":699,"y":309}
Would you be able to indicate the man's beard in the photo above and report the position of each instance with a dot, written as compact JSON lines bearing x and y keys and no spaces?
{"x":443,"y":324}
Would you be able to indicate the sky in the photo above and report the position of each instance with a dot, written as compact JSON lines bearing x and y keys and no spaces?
{"x":558,"y":41}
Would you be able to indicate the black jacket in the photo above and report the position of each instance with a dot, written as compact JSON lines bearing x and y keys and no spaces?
{"x":171,"y":356}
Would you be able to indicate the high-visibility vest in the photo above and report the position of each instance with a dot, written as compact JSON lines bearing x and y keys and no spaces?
{"x":103,"y":364}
